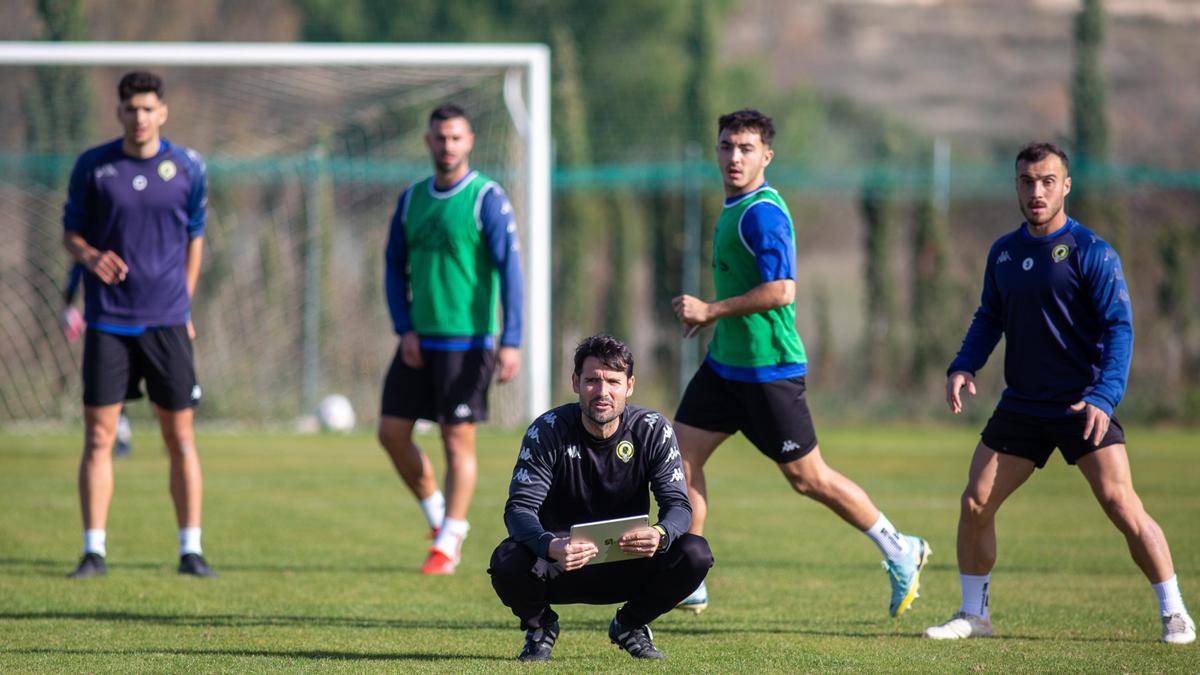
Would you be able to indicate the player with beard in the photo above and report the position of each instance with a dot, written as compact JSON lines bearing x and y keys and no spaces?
{"x":589,"y":461}
{"x":1057,"y":294}
{"x":451,"y":252}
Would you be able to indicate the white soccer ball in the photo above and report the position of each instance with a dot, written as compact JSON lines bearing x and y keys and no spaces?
{"x":335,"y":413}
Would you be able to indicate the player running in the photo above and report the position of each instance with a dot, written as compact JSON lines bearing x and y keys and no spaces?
{"x":1057,"y":294}
{"x":134,"y":218}
{"x":453,"y":249}
{"x":752,"y":379}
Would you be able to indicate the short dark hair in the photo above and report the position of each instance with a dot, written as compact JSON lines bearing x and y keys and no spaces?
{"x":609,"y":350}
{"x":448,"y":111}
{"x":140,"y":82}
{"x":748,"y":119}
{"x":1039,"y":150}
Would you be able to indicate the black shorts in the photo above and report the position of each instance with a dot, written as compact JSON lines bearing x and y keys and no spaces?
{"x":115,"y":365}
{"x":1035,"y":438}
{"x":451,"y":388}
{"x":773,"y":415}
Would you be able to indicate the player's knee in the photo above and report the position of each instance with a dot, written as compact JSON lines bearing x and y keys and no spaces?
{"x":809,"y":484}
{"x":392,"y":439}
{"x":99,"y":441}
{"x":975,"y":509}
{"x":1123,"y":508}
{"x":178,"y":443}
{"x":511,"y":564}
{"x":696,"y":555}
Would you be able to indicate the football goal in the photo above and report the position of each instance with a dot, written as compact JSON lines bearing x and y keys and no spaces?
{"x":308,"y":147}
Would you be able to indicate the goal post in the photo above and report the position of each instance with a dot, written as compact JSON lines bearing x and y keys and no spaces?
{"x":514,"y":79}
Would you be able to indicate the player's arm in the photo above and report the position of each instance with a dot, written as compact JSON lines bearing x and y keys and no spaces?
{"x":982,"y":337}
{"x":395,"y":284}
{"x":500,"y":233}
{"x":530,"y":484}
{"x":73,"y":281}
{"x":670,"y":493}
{"x":197,"y":220}
{"x":1109,"y":295}
{"x":106,"y":265}
{"x":767,"y":232}
{"x":70,"y":320}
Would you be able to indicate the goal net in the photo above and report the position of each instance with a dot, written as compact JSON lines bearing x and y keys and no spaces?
{"x":308,"y":148}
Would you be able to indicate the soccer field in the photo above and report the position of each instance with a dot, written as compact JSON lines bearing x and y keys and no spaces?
{"x":318,"y":546}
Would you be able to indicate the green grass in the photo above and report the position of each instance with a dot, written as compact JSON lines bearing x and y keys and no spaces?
{"x":318,"y":545}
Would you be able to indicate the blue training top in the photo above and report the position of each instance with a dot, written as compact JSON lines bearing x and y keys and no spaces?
{"x":1063,"y":307}
{"x":146,"y":211}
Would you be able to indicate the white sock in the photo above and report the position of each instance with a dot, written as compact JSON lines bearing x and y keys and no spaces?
{"x":94,"y":541}
{"x":975,"y":593}
{"x":891,"y":543}
{"x":1169,"y":599}
{"x":189,"y":540}
{"x":450,"y":538}
{"x":434,"y":508}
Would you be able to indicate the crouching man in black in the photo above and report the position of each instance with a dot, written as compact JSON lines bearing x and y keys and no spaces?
{"x":589,"y":461}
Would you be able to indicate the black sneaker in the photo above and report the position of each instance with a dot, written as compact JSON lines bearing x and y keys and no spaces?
{"x":193,"y":563}
{"x":91,"y":565}
{"x":539,"y":642}
{"x":638,"y":641}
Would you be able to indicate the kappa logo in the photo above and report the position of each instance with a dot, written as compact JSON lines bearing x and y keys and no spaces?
{"x":673,"y":453}
{"x":532,"y":434}
{"x":651,"y":419}
{"x":1027,"y":264}
{"x":790,"y":446}
{"x":1060,"y":253}
{"x":1003,"y":258}
{"x":573,"y":451}
{"x":525,"y":455}
{"x":462,"y":410}
{"x":625,"y":451}
{"x":106,"y":170}
{"x":140,"y":182}
{"x":549,"y":418}
{"x":522,"y":476}
{"x":167,"y":170}
{"x":668,"y":432}
{"x":676,"y":475}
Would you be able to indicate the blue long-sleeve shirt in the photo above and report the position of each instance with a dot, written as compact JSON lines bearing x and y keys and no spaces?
{"x":1062,"y":305}
{"x":499,"y":233}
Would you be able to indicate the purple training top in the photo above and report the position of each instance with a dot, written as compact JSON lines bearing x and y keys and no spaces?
{"x":146,"y":211}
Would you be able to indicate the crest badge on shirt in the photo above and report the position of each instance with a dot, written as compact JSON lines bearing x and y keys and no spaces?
{"x":167,"y":170}
{"x":1060,"y":252}
{"x":625,"y":451}
{"x":139,"y":182}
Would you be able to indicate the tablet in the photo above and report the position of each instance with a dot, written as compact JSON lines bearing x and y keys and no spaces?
{"x":605,"y":533}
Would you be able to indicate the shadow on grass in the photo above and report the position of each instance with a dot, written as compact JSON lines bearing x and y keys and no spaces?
{"x":56,"y":568}
{"x":316,"y":655}
{"x":244,"y":620}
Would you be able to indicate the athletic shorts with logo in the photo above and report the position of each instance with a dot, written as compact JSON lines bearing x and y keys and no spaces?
{"x":450,"y":388}
{"x":1035,"y":438}
{"x":115,"y":365}
{"x":773,"y":415}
